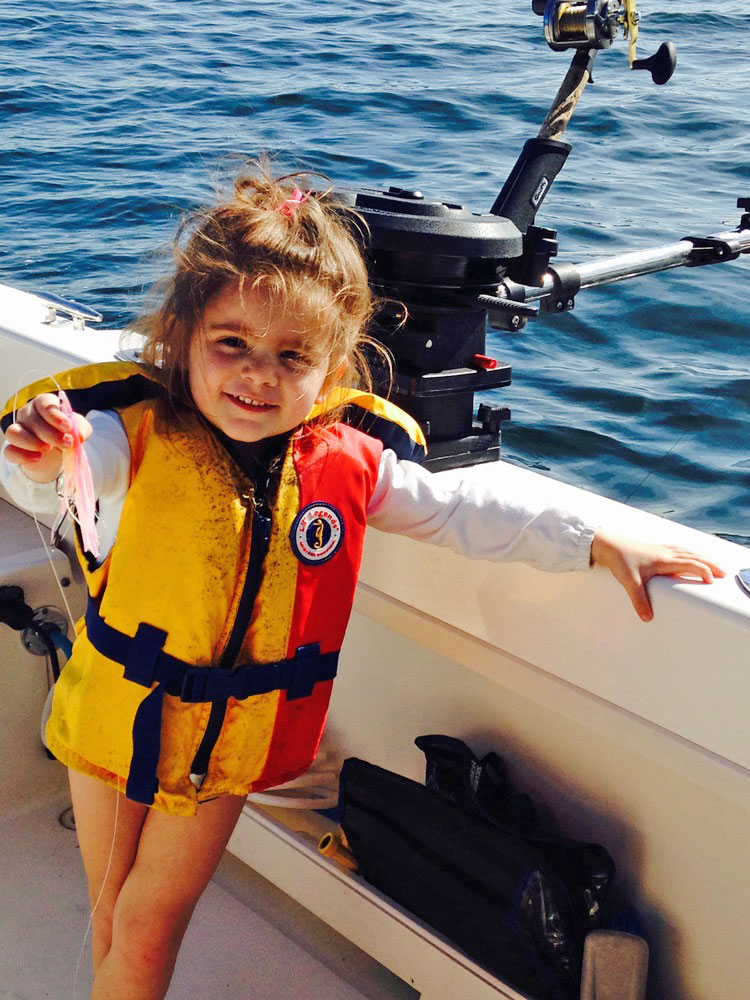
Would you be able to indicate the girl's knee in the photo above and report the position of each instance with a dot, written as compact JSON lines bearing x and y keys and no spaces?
{"x":149,"y":934}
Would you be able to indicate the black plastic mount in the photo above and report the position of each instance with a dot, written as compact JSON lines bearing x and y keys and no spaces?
{"x":529,"y":181}
{"x":433,"y":264}
{"x":539,"y":247}
{"x":443,"y":402}
{"x":481,"y":445}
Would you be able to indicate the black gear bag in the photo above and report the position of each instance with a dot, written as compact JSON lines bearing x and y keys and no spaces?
{"x":471,"y":860}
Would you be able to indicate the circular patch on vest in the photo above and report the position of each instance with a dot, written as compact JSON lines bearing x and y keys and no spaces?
{"x":317,"y":533}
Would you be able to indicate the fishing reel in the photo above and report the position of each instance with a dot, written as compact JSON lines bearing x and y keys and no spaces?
{"x":591,"y":25}
{"x":442,"y":272}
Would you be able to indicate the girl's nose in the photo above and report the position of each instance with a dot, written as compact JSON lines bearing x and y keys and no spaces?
{"x":260,"y":366}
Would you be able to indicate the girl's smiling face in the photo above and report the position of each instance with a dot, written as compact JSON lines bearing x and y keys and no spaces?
{"x":252,"y":373}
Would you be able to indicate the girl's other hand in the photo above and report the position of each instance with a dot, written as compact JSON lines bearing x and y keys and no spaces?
{"x":40,"y":434}
{"x":633,"y":563}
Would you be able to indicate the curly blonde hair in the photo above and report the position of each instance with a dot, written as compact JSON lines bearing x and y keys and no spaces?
{"x":304,"y":255}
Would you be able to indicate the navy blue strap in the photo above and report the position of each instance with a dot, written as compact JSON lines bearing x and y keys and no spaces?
{"x":297,"y":677}
{"x":142,"y":783}
{"x":146,"y":663}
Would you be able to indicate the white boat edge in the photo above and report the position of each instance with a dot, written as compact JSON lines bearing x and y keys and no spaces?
{"x":633,"y":734}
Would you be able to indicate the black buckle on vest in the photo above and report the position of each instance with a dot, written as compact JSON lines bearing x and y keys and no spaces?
{"x":304,"y":671}
{"x":143,"y":654}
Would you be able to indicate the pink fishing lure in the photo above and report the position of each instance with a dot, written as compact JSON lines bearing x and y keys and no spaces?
{"x":78,"y":486}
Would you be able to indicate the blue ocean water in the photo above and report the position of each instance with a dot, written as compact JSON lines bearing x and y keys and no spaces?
{"x":118,"y":116}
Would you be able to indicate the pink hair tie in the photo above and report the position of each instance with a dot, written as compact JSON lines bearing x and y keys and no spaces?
{"x":290,"y":205}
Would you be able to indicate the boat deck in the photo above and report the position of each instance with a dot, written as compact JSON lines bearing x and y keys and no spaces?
{"x":247,"y":938}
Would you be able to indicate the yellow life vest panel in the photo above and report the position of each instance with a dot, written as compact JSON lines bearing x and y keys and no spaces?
{"x":205,"y":661}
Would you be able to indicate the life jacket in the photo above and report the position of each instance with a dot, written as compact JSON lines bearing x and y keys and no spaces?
{"x":205,"y":661}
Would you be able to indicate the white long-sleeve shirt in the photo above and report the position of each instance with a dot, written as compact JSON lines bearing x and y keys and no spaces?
{"x":471,"y":518}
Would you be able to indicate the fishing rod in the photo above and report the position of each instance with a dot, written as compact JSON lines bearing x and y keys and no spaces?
{"x":444,"y":273}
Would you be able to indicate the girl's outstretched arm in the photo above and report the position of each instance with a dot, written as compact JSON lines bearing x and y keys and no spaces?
{"x":497,"y":520}
{"x":634,"y":563}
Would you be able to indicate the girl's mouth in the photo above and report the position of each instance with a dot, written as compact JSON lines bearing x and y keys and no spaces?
{"x":250,"y":405}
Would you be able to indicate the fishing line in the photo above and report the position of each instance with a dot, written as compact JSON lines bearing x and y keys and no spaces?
{"x":651,"y":471}
{"x":101,"y":891}
{"x":48,"y":553}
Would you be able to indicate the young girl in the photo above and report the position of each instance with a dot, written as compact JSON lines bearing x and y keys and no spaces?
{"x":234,"y":481}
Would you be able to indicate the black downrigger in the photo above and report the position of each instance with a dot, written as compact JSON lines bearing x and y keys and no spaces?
{"x":443,"y":271}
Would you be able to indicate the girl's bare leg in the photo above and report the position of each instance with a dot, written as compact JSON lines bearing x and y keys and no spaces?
{"x":175,"y":859}
{"x":94,"y":807}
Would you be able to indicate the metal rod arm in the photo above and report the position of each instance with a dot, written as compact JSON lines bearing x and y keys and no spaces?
{"x":632,"y":264}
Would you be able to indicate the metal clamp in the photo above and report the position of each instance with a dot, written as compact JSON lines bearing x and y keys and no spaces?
{"x":567,"y":284}
{"x":710,"y":250}
{"x":78,"y":313}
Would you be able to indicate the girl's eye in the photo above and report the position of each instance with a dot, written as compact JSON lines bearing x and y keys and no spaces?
{"x":233,"y":343}
{"x":295,"y":360}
